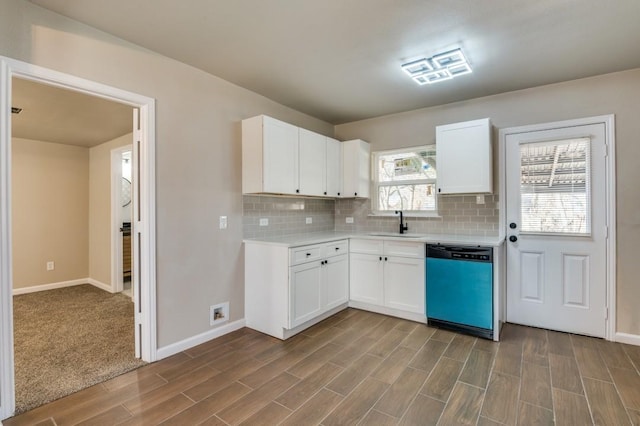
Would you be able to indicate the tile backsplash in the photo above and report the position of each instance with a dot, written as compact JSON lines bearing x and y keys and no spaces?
{"x":286,"y":215}
{"x":459,"y":214}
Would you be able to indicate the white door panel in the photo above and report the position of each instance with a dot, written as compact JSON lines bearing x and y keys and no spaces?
{"x":556,"y":234}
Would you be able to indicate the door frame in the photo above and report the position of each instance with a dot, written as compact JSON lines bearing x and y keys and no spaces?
{"x":610,"y":208}
{"x":144,"y":227}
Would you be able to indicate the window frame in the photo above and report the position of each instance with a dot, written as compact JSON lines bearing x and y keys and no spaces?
{"x":376,"y":184}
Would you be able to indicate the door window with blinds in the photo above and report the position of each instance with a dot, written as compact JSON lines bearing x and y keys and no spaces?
{"x":405,"y":180}
{"x":555,"y":187}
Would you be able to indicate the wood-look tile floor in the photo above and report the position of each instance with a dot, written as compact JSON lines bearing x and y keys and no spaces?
{"x":363,"y":368}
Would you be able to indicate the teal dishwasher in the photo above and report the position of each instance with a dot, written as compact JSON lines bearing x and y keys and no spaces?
{"x":459,"y":288}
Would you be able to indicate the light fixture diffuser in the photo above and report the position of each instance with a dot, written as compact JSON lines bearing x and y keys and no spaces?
{"x":440,"y":67}
{"x":417,"y":67}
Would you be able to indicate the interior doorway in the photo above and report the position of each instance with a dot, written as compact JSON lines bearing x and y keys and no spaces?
{"x":143,"y":222}
{"x":121,"y":214}
{"x":61,"y":167}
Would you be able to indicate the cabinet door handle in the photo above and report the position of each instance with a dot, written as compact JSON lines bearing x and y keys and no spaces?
{"x":325,"y":192}
{"x":355,"y":193}
{"x":380,"y":257}
{"x":297,"y":191}
{"x":439,"y":189}
{"x":385,"y":259}
{"x":338,"y":193}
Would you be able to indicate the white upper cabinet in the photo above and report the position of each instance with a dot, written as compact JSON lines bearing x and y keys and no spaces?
{"x":464,"y":157}
{"x":280,"y":158}
{"x":334,"y":168}
{"x":356,"y":165}
{"x":269,"y":156}
{"x":312,"y":149}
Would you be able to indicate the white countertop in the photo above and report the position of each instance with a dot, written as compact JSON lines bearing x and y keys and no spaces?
{"x":324,"y":237}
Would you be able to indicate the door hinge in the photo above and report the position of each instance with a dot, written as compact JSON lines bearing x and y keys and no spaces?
{"x":606,"y":150}
{"x":606,"y":313}
{"x":606,"y":232}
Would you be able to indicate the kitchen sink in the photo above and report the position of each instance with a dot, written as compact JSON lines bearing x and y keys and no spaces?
{"x":394,"y":234}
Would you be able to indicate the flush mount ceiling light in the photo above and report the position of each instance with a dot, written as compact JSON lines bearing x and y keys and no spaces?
{"x":441,"y":67}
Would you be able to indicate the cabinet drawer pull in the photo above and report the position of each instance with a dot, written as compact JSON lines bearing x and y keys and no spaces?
{"x":308,"y":254}
{"x":337,"y":248}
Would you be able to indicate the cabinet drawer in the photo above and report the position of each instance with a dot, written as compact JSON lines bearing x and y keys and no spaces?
{"x":405,"y":249}
{"x":305,"y":254}
{"x":336,"y":248}
{"x":367,"y":246}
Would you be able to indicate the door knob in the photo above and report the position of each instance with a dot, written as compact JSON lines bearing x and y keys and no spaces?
{"x":513,"y":238}
{"x":512,"y":225}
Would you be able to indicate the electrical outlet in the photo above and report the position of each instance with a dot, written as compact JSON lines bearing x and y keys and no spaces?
{"x":51,"y":265}
{"x":349,"y":219}
{"x":219,"y":313}
{"x":308,"y":220}
{"x":479,"y":199}
{"x":264,"y":221}
{"x":223,"y":222}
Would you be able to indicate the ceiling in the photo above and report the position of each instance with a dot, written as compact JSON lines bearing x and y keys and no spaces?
{"x":339,"y":60}
{"x":53,"y":114}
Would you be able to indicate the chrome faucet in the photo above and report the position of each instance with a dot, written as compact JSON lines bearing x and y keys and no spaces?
{"x":403,"y":226}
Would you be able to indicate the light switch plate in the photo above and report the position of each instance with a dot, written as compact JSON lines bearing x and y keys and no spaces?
{"x":479,"y":199}
{"x":223,"y":222}
{"x":308,"y":220}
{"x":349,"y":219}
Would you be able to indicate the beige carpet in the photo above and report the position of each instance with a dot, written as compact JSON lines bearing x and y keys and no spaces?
{"x":69,"y":339}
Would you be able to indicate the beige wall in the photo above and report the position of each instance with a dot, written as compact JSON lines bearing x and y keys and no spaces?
{"x":50,"y":200}
{"x":198,"y":161}
{"x":617,"y":94}
{"x":100,"y":208}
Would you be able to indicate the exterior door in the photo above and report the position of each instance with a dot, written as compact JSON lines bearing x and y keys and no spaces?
{"x":556,"y":228}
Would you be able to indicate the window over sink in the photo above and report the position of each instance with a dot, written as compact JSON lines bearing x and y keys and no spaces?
{"x":405,"y":179}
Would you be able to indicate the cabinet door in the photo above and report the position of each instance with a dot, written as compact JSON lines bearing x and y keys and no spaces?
{"x":336,"y":278}
{"x":280,"y":147}
{"x":313,"y":152}
{"x":305,"y":293}
{"x":365,"y":278}
{"x":404,"y":284}
{"x":355,"y":167}
{"x":334,"y":168}
{"x":464,"y":158}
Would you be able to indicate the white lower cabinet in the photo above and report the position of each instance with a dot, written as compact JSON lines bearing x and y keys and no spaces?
{"x":404,"y":285}
{"x":336,"y":278}
{"x":386,"y":279}
{"x":365,"y":278}
{"x":305,"y":293}
{"x":287,"y":290}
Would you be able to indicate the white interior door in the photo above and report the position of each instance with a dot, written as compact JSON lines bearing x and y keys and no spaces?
{"x":556,"y":228}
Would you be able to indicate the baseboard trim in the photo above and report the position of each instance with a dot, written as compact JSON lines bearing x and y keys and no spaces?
{"x":52,"y":286}
{"x":630,"y":339}
{"x":100,"y":285}
{"x":198,"y":339}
